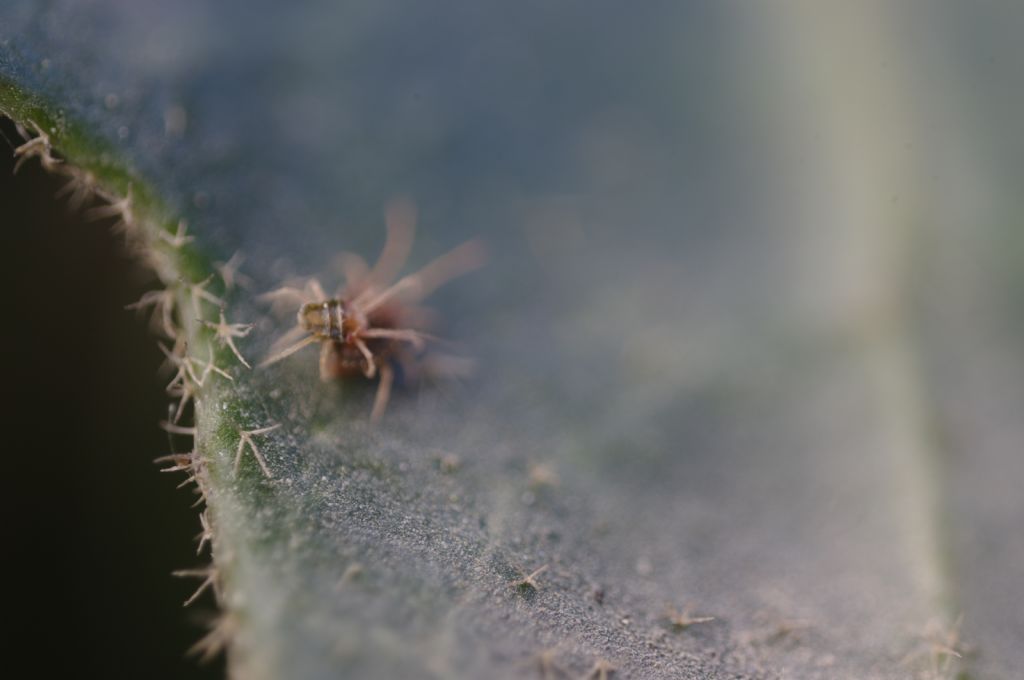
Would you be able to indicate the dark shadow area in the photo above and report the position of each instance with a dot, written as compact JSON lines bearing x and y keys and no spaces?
{"x":95,"y":529}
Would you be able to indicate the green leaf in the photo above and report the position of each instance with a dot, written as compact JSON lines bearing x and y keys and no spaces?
{"x":722,"y":423}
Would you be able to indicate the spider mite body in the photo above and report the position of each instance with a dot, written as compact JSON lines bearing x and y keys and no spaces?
{"x":339,"y":326}
{"x":373,"y":327}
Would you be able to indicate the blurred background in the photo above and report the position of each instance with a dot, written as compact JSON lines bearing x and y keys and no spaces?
{"x":764,"y":264}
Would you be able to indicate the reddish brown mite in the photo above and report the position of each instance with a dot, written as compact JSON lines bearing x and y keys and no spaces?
{"x":375,"y":324}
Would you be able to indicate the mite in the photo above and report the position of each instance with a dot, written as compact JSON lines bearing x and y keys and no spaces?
{"x":374,"y":325}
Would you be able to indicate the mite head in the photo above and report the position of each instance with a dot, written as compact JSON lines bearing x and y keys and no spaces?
{"x":331,"y":319}
{"x":319,"y":318}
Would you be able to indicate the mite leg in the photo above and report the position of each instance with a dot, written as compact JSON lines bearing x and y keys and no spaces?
{"x":288,"y":351}
{"x":285,"y":299}
{"x":328,"y":361}
{"x":335,"y":360}
{"x":468,"y":257}
{"x":292,"y":336}
{"x":371,"y":299}
{"x":400,"y":216}
{"x":317,"y":290}
{"x":380,"y":401}
{"x":289,"y":296}
{"x":353,"y":269}
{"x":285,"y":295}
{"x":415,"y":316}
{"x":415,"y":287}
{"x":415,"y":338}
{"x":371,"y":365}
